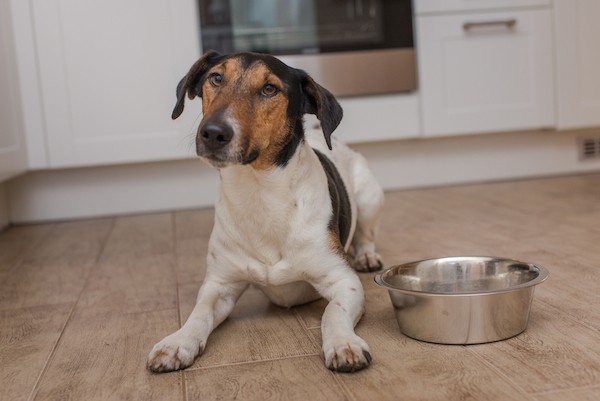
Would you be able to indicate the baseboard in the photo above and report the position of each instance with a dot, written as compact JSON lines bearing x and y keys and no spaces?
{"x":4,"y":211}
{"x":50,"y":195}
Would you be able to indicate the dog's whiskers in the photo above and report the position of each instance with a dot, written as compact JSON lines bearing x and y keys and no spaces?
{"x":191,"y":145}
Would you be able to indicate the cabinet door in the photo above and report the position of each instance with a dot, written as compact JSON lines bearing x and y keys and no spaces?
{"x":486,"y":72}
{"x":108,"y":73}
{"x":13,"y":157}
{"x":427,"y":6}
{"x":578,"y":62}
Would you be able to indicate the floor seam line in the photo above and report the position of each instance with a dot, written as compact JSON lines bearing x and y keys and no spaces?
{"x":252,"y":362}
{"x":182,"y":376}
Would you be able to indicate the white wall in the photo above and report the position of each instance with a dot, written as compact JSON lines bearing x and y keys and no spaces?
{"x":98,"y":191}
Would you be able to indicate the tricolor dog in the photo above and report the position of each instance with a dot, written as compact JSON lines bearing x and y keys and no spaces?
{"x":296,"y":215}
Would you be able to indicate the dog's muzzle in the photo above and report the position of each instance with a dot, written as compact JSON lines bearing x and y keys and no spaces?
{"x":213,"y":138}
{"x":216,"y":144}
{"x":213,"y":143}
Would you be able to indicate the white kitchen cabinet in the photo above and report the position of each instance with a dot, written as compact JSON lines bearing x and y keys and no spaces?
{"x":578,"y":62}
{"x":107,"y":75}
{"x":432,"y":6}
{"x":486,"y":72}
{"x":13,"y":152}
{"x":379,"y":118}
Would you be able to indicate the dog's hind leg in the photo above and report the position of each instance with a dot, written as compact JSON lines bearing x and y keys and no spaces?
{"x":178,"y":350}
{"x":369,"y":202}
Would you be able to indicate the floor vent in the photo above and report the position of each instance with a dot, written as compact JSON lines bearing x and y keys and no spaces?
{"x":589,"y":148}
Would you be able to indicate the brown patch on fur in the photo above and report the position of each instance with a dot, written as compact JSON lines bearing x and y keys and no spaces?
{"x":336,"y":246}
{"x":260,"y":119}
{"x":217,"y":98}
{"x":338,"y":303}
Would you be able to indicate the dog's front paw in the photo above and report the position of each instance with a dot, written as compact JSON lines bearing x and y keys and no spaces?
{"x":368,"y":262}
{"x":347,"y":354}
{"x":174,"y":352}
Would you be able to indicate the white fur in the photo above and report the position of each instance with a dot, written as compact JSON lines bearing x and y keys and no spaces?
{"x":271,"y":230}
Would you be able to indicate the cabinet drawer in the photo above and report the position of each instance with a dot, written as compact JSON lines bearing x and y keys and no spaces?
{"x":486,"y":72}
{"x":432,"y":6}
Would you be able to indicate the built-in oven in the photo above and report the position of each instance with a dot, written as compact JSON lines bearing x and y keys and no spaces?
{"x":351,"y":47}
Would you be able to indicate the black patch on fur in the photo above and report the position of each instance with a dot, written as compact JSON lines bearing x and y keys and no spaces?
{"x":289,"y":149}
{"x":251,"y":157}
{"x":341,"y":217}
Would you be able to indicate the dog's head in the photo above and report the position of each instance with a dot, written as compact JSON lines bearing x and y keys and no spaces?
{"x":253,"y":106}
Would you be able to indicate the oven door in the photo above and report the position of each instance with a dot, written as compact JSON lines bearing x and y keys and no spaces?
{"x":352,"y":47}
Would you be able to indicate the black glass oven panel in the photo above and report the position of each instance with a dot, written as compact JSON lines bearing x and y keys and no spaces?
{"x":305,"y":26}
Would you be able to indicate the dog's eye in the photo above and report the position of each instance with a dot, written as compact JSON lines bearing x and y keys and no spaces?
{"x":269,"y":90}
{"x":215,"y":80}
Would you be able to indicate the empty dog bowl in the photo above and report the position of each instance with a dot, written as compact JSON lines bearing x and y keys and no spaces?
{"x":462,"y":300}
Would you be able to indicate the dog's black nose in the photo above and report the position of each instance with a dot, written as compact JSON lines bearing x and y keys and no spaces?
{"x":215,"y":136}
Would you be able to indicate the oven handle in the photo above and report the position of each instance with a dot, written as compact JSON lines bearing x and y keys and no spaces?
{"x":509,"y":23}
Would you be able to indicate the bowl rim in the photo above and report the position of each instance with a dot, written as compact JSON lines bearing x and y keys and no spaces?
{"x":543,"y":274}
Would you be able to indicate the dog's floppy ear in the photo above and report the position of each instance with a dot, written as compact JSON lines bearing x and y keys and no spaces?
{"x":320,"y":102}
{"x":192,"y":82}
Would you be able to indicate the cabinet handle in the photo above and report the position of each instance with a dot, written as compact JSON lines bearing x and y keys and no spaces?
{"x":509,"y":23}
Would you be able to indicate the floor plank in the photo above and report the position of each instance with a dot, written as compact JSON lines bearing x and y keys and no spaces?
{"x":255,"y":331}
{"x":77,"y":239}
{"x":128,"y":303}
{"x":412,"y":370}
{"x":553,"y":353}
{"x":571,"y":288}
{"x":136,"y":270}
{"x":577,"y":394}
{"x":55,"y":270}
{"x":102,"y":356}
{"x":17,"y":242}
{"x":27,"y":339}
{"x":284,"y":379}
{"x":192,"y":231}
{"x":140,"y":235}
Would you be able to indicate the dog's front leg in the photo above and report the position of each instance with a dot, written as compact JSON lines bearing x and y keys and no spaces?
{"x":178,"y":350}
{"x":343,"y":350}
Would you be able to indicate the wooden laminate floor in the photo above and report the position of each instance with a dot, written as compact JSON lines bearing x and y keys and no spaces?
{"x":82,"y":303}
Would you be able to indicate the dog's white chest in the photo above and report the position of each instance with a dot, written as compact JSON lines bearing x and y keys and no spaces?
{"x":270,"y":275}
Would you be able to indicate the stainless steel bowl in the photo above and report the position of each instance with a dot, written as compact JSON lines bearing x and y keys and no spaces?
{"x":463,"y":299}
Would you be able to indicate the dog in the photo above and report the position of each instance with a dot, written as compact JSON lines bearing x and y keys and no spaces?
{"x":296,"y":215}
